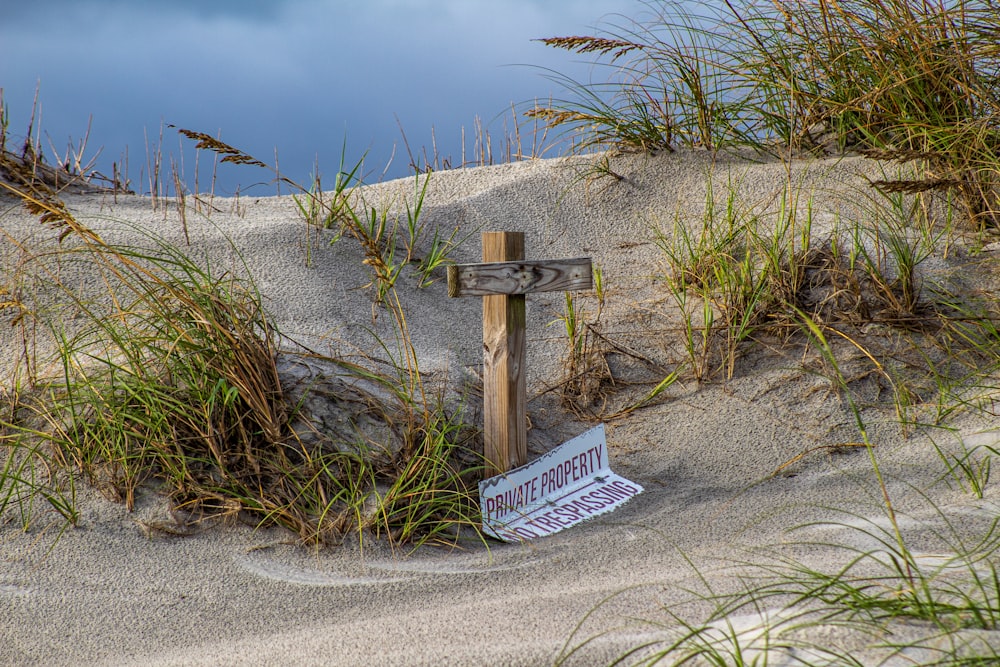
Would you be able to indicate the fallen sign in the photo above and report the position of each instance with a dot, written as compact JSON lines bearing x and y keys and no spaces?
{"x":566,"y":486}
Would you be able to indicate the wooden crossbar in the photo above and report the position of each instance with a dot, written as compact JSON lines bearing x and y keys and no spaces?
{"x":520,"y":277}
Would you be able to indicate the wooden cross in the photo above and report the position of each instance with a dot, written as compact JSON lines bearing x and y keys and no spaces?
{"x":502,"y":280}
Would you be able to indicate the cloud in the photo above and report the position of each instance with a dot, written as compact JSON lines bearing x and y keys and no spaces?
{"x":291,"y":74}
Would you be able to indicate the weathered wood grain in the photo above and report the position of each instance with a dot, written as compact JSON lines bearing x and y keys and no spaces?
{"x":505,"y":437}
{"x":520,"y":277}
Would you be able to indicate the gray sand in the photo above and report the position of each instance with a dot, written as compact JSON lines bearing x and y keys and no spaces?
{"x":107,"y":594}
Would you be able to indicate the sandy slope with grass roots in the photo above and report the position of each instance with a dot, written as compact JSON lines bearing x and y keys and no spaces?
{"x":729,"y":465}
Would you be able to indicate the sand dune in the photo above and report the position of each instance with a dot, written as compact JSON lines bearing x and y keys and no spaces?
{"x":107,"y":594}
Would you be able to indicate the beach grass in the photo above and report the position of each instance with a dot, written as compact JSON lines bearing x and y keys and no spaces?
{"x":171,"y":379}
{"x":898,"y":80}
{"x":908,"y":83}
{"x":175,"y":382}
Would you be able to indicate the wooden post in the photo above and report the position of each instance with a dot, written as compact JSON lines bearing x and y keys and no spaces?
{"x":505,"y":429}
{"x":502,"y":280}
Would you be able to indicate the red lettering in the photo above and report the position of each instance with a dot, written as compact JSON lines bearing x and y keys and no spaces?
{"x":555,"y":478}
{"x":520,"y":495}
{"x":545,"y":521}
{"x":571,"y":513}
{"x":556,"y":516}
{"x":589,"y":503}
{"x":615,"y":493}
{"x":606,"y":494}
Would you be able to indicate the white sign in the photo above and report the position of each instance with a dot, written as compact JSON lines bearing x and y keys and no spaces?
{"x":570,"y":484}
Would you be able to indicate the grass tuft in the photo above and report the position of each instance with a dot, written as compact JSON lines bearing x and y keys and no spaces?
{"x":913,"y":82}
{"x":170,"y":379}
{"x":862,"y":301}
